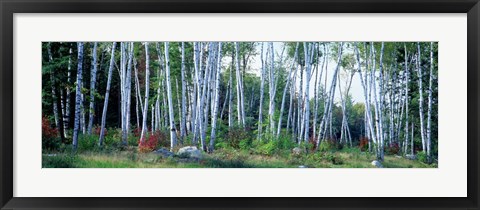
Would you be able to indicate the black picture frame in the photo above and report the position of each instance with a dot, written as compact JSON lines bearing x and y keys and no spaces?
{"x":9,"y":7}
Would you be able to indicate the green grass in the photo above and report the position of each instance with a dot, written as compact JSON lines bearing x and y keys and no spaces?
{"x":225,"y":158}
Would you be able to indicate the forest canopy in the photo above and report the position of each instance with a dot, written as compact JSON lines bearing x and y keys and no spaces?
{"x":240,"y":104}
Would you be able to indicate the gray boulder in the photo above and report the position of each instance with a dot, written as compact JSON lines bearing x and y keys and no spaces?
{"x":190,"y":152}
{"x":297,"y":151}
{"x":164,"y":152}
{"x":377,"y":164}
{"x":411,"y":157}
{"x":302,"y":166}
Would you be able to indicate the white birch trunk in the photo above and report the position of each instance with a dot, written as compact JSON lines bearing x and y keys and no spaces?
{"x":183,"y":113}
{"x":289,"y":78}
{"x":173,"y":134}
{"x":240,"y":107}
{"x":147,"y":87}
{"x":271,"y":109}
{"x":216,"y":100}
{"x":429,"y":114}
{"x":78,"y":94}
{"x":107,"y":94}
{"x":420,"y":100}
{"x":328,"y":108}
{"x":262,"y":83}
{"x":93,"y":77}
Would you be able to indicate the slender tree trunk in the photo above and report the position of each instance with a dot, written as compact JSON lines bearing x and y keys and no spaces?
{"x":272,"y":89}
{"x":217,"y":93}
{"x":230,"y":97}
{"x":289,"y":78}
{"x":420,"y":100}
{"x":128,"y":92}
{"x":107,"y":94}
{"x":78,"y":95}
{"x":147,"y":87}
{"x":93,"y":77}
{"x":240,"y":101}
{"x":183,"y":114}
{"x":407,"y":80}
{"x":365,"y":91}
{"x":173,"y":134}
{"x":54,"y":92}
{"x":224,"y":103}
{"x":308,"y":66}
{"x":68,"y":96}
{"x":429,"y":114}
{"x":260,"y":108}
{"x":328,"y":108}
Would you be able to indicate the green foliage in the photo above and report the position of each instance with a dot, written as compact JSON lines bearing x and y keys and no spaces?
{"x":59,"y":161}
{"x":245,"y":144}
{"x":265,"y":148}
{"x":422,"y":157}
{"x":325,"y":146}
{"x":285,"y":142}
{"x":236,"y":135}
{"x":87,"y":142}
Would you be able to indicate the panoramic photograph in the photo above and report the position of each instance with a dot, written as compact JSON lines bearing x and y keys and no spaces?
{"x":239,"y":104}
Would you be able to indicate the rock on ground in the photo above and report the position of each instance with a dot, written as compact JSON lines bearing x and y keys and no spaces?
{"x":411,"y":157}
{"x":302,"y":166}
{"x":377,"y":164}
{"x":190,"y":152}
{"x":297,"y":151}
{"x":164,"y":152}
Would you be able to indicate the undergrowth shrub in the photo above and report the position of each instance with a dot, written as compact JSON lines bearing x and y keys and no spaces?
{"x":422,"y":157}
{"x":330,"y":145}
{"x":265,"y":148}
{"x":97,"y":129}
{"x":392,"y":149}
{"x":137,"y":132}
{"x":325,"y":145}
{"x":307,"y":146}
{"x":335,"y":160}
{"x":153,"y":141}
{"x":87,"y":142}
{"x":285,"y":142}
{"x":245,"y":144}
{"x":59,"y":161}
{"x":50,"y":137}
{"x":363,"y":144}
{"x":236,"y":135}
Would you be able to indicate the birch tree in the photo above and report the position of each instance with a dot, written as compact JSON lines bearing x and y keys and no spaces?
{"x":328,"y":107}
{"x":147,"y":87}
{"x":78,"y":95}
{"x":217,"y":93}
{"x":429,"y":113}
{"x":93,"y":78}
{"x":420,"y":100}
{"x":173,"y":134}
{"x":183,"y":113}
{"x":292,"y":73}
{"x":240,"y":101}
{"x":262,"y":83}
{"x":272,"y":88}
{"x":107,"y":94}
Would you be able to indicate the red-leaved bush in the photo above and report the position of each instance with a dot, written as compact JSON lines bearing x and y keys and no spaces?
{"x":363,"y":143}
{"x":393,"y":149}
{"x":47,"y":131}
{"x":150,"y":143}
{"x":97,"y":130}
{"x":137,"y":132}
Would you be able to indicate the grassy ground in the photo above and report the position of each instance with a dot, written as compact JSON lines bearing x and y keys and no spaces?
{"x":225,"y":158}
